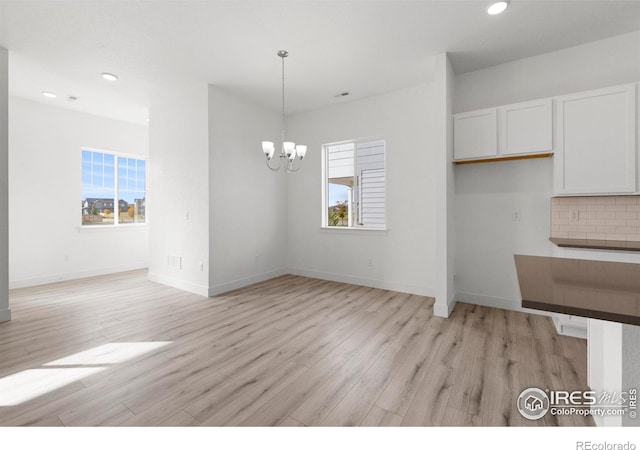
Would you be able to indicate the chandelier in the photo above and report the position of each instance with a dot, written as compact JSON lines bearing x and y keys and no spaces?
{"x":289,"y":150}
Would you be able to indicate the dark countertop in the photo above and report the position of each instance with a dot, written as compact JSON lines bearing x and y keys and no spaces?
{"x":597,"y":244}
{"x":597,"y":289}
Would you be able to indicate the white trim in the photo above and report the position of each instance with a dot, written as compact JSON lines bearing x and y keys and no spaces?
{"x":111,"y":227}
{"x":369,"y":282}
{"x":194,"y":288}
{"x":5,"y":315}
{"x":111,"y":152}
{"x":116,"y":186}
{"x":56,"y":278}
{"x":565,"y":328}
{"x":325,"y":185}
{"x":497,"y":302}
{"x":355,"y":230}
{"x":243,"y":282}
{"x":445,"y":311}
{"x":562,"y":328}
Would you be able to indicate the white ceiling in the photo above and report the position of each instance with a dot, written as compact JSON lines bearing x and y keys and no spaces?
{"x":365,"y":47}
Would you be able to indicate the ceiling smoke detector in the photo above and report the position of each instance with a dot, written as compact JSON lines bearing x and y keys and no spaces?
{"x":72,"y":98}
{"x":342,"y":94}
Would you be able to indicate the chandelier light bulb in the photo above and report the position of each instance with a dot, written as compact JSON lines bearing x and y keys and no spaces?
{"x":301,"y":150}
{"x":289,"y":148}
{"x":267,"y":147}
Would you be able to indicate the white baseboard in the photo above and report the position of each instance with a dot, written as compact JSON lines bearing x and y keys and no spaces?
{"x":441,"y":310}
{"x":55,"y":278}
{"x":563,"y":327}
{"x":5,"y":315}
{"x":569,"y":326}
{"x":497,"y":302}
{"x":194,"y":288}
{"x":360,"y":281}
{"x":237,"y":284}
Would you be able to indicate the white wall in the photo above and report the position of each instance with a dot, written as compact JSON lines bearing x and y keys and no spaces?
{"x":598,"y":64}
{"x":404,"y":257}
{"x":5,"y":312}
{"x":486,"y":195}
{"x":47,"y":243}
{"x":248,"y":203}
{"x":486,"y":234}
{"x":178,"y":200}
{"x":445,"y":200}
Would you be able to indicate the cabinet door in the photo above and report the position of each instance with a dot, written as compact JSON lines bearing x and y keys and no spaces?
{"x":475,"y":134}
{"x":526,"y":128}
{"x":596,"y":149}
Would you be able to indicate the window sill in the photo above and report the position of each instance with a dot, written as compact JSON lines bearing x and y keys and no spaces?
{"x":359,"y":230}
{"x":110,"y":228}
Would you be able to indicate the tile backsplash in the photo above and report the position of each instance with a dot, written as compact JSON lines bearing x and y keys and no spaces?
{"x":614,"y":218}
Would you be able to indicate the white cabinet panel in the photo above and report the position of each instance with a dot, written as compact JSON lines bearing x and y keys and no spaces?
{"x":475,"y":134}
{"x":526,"y":128}
{"x":596,"y":151}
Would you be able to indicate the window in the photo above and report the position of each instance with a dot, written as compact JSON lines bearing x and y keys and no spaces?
{"x":113,"y":189}
{"x":354,"y":184}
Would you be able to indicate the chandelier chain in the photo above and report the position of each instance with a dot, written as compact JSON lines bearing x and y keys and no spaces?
{"x":282,"y":57}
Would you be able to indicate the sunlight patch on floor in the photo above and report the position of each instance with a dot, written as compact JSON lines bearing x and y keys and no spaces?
{"x":113,"y":353}
{"x":32,"y":383}
{"x":29,"y":384}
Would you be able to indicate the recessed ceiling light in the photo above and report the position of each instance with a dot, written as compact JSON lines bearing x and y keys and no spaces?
{"x":497,"y":7}
{"x":109,"y":76}
{"x":49,"y":94}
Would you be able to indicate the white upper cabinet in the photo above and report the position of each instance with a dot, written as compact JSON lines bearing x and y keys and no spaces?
{"x":596,"y":147}
{"x":526,"y":128}
{"x":506,"y":131}
{"x":475,"y":134}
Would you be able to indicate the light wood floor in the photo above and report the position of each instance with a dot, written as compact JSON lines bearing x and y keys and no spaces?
{"x":291,"y":351}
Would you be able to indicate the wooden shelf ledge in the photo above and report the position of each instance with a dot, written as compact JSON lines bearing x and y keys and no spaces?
{"x":503,"y":158}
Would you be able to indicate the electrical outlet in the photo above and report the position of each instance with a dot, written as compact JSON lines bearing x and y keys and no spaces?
{"x":370,"y":262}
{"x":257,"y":259}
{"x":574,"y":215}
{"x":515,"y":216}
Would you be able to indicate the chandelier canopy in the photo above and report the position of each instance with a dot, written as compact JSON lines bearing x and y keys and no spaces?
{"x":288,"y":150}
